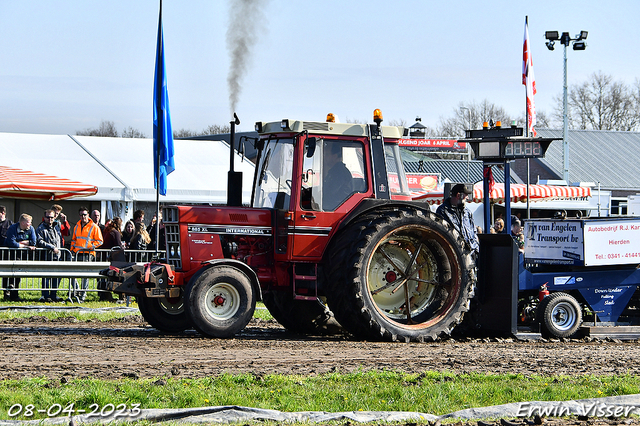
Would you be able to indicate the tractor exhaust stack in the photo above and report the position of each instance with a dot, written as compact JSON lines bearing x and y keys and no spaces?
{"x":234,"y":180}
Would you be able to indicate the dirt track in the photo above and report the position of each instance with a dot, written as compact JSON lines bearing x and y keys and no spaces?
{"x":130,"y":348}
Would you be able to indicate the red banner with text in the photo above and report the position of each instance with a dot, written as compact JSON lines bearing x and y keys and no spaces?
{"x":433,"y":145}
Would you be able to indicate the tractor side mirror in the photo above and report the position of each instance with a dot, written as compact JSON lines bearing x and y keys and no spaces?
{"x":310,"y":146}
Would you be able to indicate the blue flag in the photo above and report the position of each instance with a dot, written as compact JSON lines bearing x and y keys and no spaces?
{"x":162,"y":135}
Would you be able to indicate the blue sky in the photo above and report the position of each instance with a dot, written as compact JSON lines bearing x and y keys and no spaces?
{"x":67,"y":65}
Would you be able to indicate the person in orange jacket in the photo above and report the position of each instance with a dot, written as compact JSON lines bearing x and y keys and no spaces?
{"x":85,"y":239}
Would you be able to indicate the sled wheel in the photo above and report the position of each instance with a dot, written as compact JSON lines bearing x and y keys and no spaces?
{"x":560,"y":315}
{"x":165,"y":314}
{"x":300,"y":316}
{"x":220,"y":301}
{"x":400,"y":275}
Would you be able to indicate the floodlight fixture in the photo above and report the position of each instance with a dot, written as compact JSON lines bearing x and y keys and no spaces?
{"x":551,"y":35}
{"x":579,"y":45}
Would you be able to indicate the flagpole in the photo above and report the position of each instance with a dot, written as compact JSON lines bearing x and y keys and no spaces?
{"x":526,"y":113}
{"x":160,"y":115}
{"x":162,"y":134}
{"x":526,"y":106}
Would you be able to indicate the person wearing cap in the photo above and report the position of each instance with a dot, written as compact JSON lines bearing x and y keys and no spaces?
{"x":453,"y":210}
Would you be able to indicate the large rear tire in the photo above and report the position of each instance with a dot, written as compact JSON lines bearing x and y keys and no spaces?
{"x":165,"y":314}
{"x":220,"y":301}
{"x":391,"y":260}
{"x":560,"y":315}
{"x":300,"y":316}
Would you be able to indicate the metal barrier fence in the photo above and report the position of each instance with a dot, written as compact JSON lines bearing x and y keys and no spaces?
{"x":23,"y":269}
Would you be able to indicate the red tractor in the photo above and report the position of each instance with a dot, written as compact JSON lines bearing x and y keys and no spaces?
{"x":331,"y":234}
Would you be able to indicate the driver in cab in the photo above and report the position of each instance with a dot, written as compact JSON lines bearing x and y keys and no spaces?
{"x":337,"y":182}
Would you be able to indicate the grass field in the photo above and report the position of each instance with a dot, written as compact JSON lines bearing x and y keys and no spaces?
{"x":429,"y":392}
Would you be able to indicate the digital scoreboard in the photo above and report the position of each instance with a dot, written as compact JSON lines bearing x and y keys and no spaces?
{"x":500,"y":144}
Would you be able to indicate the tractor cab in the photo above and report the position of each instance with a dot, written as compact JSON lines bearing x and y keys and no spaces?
{"x":318,"y":172}
{"x":328,"y":151}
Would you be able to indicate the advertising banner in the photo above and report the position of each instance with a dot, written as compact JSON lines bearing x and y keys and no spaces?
{"x":612,"y":242}
{"x":588,"y":242}
{"x":554,"y":242}
{"x":433,"y":145}
{"x":423,"y":182}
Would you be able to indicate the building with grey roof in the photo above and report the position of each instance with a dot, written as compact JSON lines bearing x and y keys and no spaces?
{"x":609,"y":159}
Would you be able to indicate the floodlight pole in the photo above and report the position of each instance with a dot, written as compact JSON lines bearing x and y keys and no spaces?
{"x":578,"y":44}
{"x":565,"y":123}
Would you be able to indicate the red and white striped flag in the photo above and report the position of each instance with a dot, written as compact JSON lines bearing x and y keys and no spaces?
{"x":529,"y":80}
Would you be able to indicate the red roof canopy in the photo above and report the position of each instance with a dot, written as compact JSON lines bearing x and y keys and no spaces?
{"x":518,"y":193}
{"x":18,"y":183}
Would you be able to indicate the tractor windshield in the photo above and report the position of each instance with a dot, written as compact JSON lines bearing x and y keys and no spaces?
{"x":275,"y":171}
{"x":395,"y":169}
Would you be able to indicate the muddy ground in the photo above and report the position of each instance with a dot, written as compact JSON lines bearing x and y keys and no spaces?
{"x":128,"y":347}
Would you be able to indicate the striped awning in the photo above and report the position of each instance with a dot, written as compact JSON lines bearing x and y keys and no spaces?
{"x":18,"y":183}
{"x":518,"y":193}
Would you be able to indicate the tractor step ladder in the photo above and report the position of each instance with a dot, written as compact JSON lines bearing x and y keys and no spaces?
{"x":313,"y":279}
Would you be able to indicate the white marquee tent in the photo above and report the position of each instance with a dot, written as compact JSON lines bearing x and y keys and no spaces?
{"x":122,"y":168}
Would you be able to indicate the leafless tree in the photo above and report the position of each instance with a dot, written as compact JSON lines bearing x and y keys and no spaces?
{"x":106,"y":129}
{"x":130,"y":132}
{"x":216,"y":129}
{"x":602,"y":104}
{"x":213,"y":129}
{"x":542,"y":120}
{"x":184,"y":133}
{"x":471,"y":116}
{"x":398,"y":122}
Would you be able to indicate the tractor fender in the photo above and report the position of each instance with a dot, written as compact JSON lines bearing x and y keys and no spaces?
{"x":369,"y":204}
{"x":242,"y":267}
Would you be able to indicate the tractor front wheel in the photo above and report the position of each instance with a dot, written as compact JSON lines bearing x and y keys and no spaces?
{"x":165,"y":314}
{"x":220,"y":301}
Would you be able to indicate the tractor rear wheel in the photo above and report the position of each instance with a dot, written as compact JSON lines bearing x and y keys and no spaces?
{"x":300,"y":316}
{"x":165,"y":314}
{"x":400,"y":275}
{"x":560,"y":315}
{"x":220,"y":301}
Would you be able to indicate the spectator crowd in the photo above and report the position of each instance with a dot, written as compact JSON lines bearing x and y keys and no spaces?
{"x":55,"y":235}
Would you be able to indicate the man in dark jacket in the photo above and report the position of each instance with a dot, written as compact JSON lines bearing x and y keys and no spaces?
{"x":20,"y":235}
{"x":48,"y":236}
{"x":460,"y":217}
{"x":4,"y":226}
